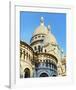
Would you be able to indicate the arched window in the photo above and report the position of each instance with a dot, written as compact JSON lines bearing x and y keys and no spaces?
{"x":39,"y":48}
{"x":26,"y":73}
{"x":35,"y":48}
{"x":27,"y":54}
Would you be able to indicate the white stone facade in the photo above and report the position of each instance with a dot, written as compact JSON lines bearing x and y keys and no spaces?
{"x":43,"y":56}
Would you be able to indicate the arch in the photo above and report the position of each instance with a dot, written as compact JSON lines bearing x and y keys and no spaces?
{"x":43,"y":75}
{"x":26,"y":73}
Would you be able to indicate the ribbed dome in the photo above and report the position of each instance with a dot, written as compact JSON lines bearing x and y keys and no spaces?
{"x":42,"y":29}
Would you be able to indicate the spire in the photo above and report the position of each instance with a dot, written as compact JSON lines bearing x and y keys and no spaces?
{"x":42,"y":21}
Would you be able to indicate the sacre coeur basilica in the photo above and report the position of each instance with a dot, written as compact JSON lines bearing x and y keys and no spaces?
{"x":42,"y":57}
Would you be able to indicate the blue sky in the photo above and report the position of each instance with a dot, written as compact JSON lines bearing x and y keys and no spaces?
{"x":29,"y":21}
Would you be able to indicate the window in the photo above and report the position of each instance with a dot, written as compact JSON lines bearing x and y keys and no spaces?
{"x":29,"y":56}
{"x":43,"y":36}
{"x":35,"y":37}
{"x":26,"y":54}
{"x":35,"y":48}
{"x":39,"y":48}
{"x":45,"y":50}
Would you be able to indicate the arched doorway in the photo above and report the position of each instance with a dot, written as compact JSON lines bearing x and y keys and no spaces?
{"x":26,"y":73}
{"x":43,"y":75}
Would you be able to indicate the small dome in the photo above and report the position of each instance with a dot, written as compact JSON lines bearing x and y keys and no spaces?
{"x":42,"y":29}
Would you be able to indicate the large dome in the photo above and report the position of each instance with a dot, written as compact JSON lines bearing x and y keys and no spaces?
{"x":50,"y":38}
{"x":42,"y":29}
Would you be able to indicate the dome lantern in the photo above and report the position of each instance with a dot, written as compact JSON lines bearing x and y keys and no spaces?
{"x":41,"y":29}
{"x":49,"y":27}
{"x":42,"y":21}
